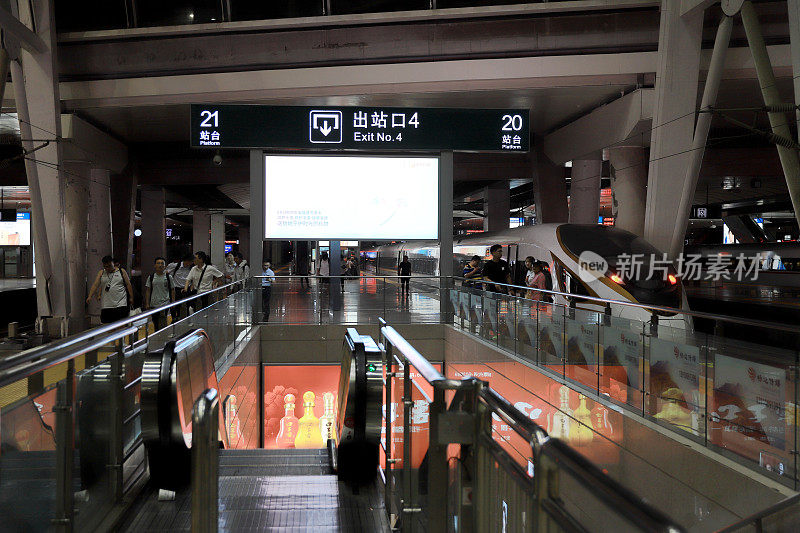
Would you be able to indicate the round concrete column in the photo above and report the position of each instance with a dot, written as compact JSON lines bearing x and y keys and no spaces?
{"x":629,"y":186}
{"x":584,"y":196}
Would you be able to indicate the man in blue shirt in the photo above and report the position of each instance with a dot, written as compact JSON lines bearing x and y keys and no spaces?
{"x":266,"y":288}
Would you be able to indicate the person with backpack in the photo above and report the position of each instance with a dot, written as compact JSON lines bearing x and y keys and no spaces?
{"x":114,"y":290}
{"x":242,"y":270}
{"x":159,"y":290}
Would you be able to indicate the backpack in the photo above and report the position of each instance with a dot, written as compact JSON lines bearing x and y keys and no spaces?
{"x":169,"y":286}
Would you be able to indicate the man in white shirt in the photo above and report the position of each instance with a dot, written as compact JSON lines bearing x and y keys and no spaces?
{"x":202,"y":278}
{"x":242,"y":269}
{"x":266,"y":288}
{"x":160,"y":290}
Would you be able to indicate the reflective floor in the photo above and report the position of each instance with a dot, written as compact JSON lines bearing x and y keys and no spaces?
{"x":360,"y":300}
{"x":12,"y":284}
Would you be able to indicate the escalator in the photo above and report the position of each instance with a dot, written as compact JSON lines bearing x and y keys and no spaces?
{"x":261,"y":488}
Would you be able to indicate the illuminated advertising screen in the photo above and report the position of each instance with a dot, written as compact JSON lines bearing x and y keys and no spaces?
{"x":299,"y":404}
{"x":354,"y":198}
{"x":16,"y":233}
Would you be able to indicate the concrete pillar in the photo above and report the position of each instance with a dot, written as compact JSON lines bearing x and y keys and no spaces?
{"x":677,"y":74}
{"x":244,"y":242}
{"x":201,"y":231}
{"x":446,"y":229}
{"x":496,"y":207}
{"x":37,"y":100}
{"x":123,"y":204}
{"x":275,"y":255}
{"x":584,"y":196}
{"x":218,"y":240}
{"x":628,"y":186}
{"x":549,"y":187}
{"x":794,"y":44}
{"x":98,"y":232}
{"x":154,"y":238}
{"x":335,"y":256}
{"x":76,"y":193}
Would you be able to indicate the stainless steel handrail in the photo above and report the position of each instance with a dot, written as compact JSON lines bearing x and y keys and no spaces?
{"x":765,"y":513}
{"x":524,"y":426}
{"x":31,"y":365}
{"x":556,"y":454}
{"x":19,"y":360}
{"x":611,"y":492}
{"x":205,"y":462}
{"x":647,"y":307}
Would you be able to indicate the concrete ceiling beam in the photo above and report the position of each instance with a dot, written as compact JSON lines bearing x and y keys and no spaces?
{"x":623,"y":121}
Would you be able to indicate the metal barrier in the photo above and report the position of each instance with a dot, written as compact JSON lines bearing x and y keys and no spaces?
{"x":536,"y":502}
{"x":86,"y":385}
{"x":205,"y":462}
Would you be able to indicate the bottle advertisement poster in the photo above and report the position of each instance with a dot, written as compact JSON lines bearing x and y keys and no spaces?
{"x":551,"y":331}
{"x":582,"y":351}
{"x":675,"y":384}
{"x":622,"y":354}
{"x":239,"y":393}
{"x":749,"y":408}
{"x":300,"y":405}
{"x":592,"y":427}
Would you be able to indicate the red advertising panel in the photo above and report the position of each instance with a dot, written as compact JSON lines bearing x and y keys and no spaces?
{"x":299,"y":405}
{"x":239,"y":393}
{"x":30,"y":426}
{"x":420,"y":419}
{"x":592,"y":428}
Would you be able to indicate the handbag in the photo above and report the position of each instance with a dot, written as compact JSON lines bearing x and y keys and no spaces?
{"x":192,"y":292}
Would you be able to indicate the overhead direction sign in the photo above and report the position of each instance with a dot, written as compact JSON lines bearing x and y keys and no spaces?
{"x":360,"y":128}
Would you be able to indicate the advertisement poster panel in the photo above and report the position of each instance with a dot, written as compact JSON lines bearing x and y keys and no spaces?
{"x":675,"y":373}
{"x":239,"y":394}
{"x":749,"y":409}
{"x":622,"y":355}
{"x":288,"y":422}
{"x":29,"y":426}
{"x":551,"y":332}
{"x":420,"y":419}
{"x":592,"y":427}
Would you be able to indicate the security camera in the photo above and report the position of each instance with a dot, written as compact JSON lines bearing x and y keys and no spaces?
{"x":217,"y":160}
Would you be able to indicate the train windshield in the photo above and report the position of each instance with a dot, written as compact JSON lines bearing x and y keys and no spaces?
{"x":639,"y":267}
{"x":609,"y":243}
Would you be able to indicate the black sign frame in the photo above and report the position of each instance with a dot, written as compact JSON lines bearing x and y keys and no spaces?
{"x":362,"y":128}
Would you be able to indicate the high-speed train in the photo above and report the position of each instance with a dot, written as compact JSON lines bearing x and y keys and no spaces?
{"x":560,"y":246}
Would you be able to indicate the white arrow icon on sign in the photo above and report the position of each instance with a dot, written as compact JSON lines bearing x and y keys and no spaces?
{"x":322,"y":124}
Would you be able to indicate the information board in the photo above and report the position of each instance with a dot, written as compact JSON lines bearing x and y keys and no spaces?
{"x":359,"y":128}
{"x":316,"y":197}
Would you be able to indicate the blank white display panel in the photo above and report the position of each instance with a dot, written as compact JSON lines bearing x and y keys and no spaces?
{"x":349,"y":197}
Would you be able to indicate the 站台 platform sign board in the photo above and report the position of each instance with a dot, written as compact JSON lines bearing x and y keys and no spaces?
{"x":360,"y":128}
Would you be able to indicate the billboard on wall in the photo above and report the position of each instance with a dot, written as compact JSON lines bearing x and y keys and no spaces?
{"x":16,"y":233}
{"x":348,"y":197}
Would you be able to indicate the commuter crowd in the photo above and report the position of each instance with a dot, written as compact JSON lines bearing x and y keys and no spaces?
{"x":495,"y":275}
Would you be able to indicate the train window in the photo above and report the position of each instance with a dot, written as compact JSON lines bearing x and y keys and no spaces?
{"x":574,"y":285}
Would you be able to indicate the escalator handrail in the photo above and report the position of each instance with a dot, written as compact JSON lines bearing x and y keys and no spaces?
{"x":418,"y":361}
{"x":607,"y":489}
{"x":15,"y":366}
{"x":612,"y":493}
